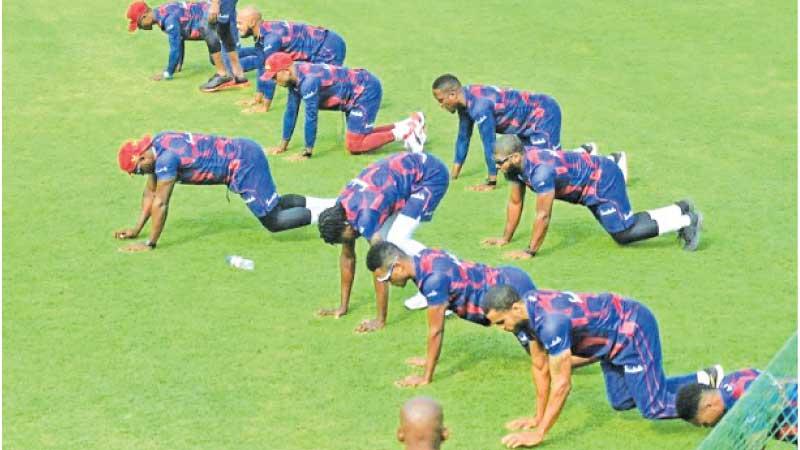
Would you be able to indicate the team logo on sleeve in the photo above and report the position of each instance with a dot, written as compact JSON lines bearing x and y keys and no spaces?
{"x":633,"y":369}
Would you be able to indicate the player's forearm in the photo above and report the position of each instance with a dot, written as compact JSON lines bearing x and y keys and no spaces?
{"x":455,"y":171}
{"x":347,"y":266}
{"x":158,"y":212}
{"x":175,"y":57}
{"x":144,"y":215}
{"x":555,"y":403}
{"x":290,"y":117}
{"x":381,"y":300}
{"x":539,"y":232}
{"x":435,"y":338}
{"x":513,"y":214}
{"x":310,"y":129}
{"x":542,"y":383}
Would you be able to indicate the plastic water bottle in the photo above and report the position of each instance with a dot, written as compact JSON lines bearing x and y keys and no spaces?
{"x":240,"y":263}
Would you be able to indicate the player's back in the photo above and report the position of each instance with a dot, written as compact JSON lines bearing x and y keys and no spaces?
{"x":596,"y":320}
{"x":514,"y":110}
{"x":469,"y":281}
{"x":298,"y":39}
{"x":197,"y":158}
{"x":338,"y":85}
{"x":574,"y":173}
{"x":190,"y":16}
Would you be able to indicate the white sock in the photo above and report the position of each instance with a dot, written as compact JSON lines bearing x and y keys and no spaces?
{"x":317,"y":205}
{"x":703,"y":378}
{"x":400,"y":233}
{"x":669,"y":218}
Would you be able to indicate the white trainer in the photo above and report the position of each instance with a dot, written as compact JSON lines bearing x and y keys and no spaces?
{"x":418,"y":301}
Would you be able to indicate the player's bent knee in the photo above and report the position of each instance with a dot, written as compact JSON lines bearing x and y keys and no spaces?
{"x":354,"y":142}
{"x":623,"y":237}
{"x":624,"y":405}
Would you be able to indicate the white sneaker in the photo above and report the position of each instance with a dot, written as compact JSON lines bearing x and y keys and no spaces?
{"x":621,"y":158}
{"x":418,"y":301}
{"x":419,"y":118}
{"x":415,"y":142}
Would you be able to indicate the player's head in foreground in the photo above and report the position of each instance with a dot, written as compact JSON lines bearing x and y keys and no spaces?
{"x":280,"y":67}
{"x":248,"y":19}
{"x":509,"y":154}
{"x":422,"y":424}
{"x":390,"y":264}
{"x":140,"y":16}
{"x":447,"y":91}
{"x":504,"y":308}
{"x":333,"y":226}
{"x":700,"y":404}
{"x":134,"y":158}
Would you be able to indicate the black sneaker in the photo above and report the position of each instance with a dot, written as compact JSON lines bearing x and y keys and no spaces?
{"x":216,"y":83}
{"x":715,"y":375}
{"x":590,"y":148}
{"x":691,"y":233}
{"x":235,"y":83}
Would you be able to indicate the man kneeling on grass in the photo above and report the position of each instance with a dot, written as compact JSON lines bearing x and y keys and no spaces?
{"x":620,"y":332}
{"x":193,"y":158}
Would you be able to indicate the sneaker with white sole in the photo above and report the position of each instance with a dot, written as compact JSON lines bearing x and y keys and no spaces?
{"x":416,"y":302}
{"x":415,"y":142}
{"x":691,"y":233}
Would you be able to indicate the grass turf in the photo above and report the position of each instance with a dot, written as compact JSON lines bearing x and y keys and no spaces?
{"x":172,"y":349}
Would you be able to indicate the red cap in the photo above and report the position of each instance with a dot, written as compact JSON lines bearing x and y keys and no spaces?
{"x":276,"y":62}
{"x":135,"y":12}
{"x":130,"y":151}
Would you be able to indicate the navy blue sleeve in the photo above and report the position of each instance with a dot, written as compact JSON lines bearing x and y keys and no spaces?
{"x":465,"y":124}
{"x":484,"y":117}
{"x":436,"y":288}
{"x":555,"y":333}
{"x":310,"y":92}
{"x":290,"y":116}
{"x":166,"y":167}
{"x":172,"y":27}
{"x":250,"y":58}
{"x":543,"y":178}
{"x":269,"y":45}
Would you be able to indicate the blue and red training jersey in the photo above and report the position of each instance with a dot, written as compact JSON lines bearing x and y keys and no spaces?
{"x":384,"y":188}
{"x":735,"y":384}
{"x":590,"y":325}
{"x":326,"y":87}
{"x":303,"y":42}
{"x":574,"y":176}
{"x":193,"y":158}
{"x":501,"y":111}
{"x":460,"y":284}
{"x":181,"y":21}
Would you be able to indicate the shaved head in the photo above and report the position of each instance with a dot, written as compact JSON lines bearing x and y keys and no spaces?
{"x":422,"y":424}
{"x":248,"y":13}
{"x":507,"y":145}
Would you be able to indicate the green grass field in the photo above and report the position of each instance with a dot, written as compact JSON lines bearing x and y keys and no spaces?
{"x":174,"y":350}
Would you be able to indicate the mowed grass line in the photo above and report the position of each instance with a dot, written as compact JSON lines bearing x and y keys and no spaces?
{"x":174,"y":350}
